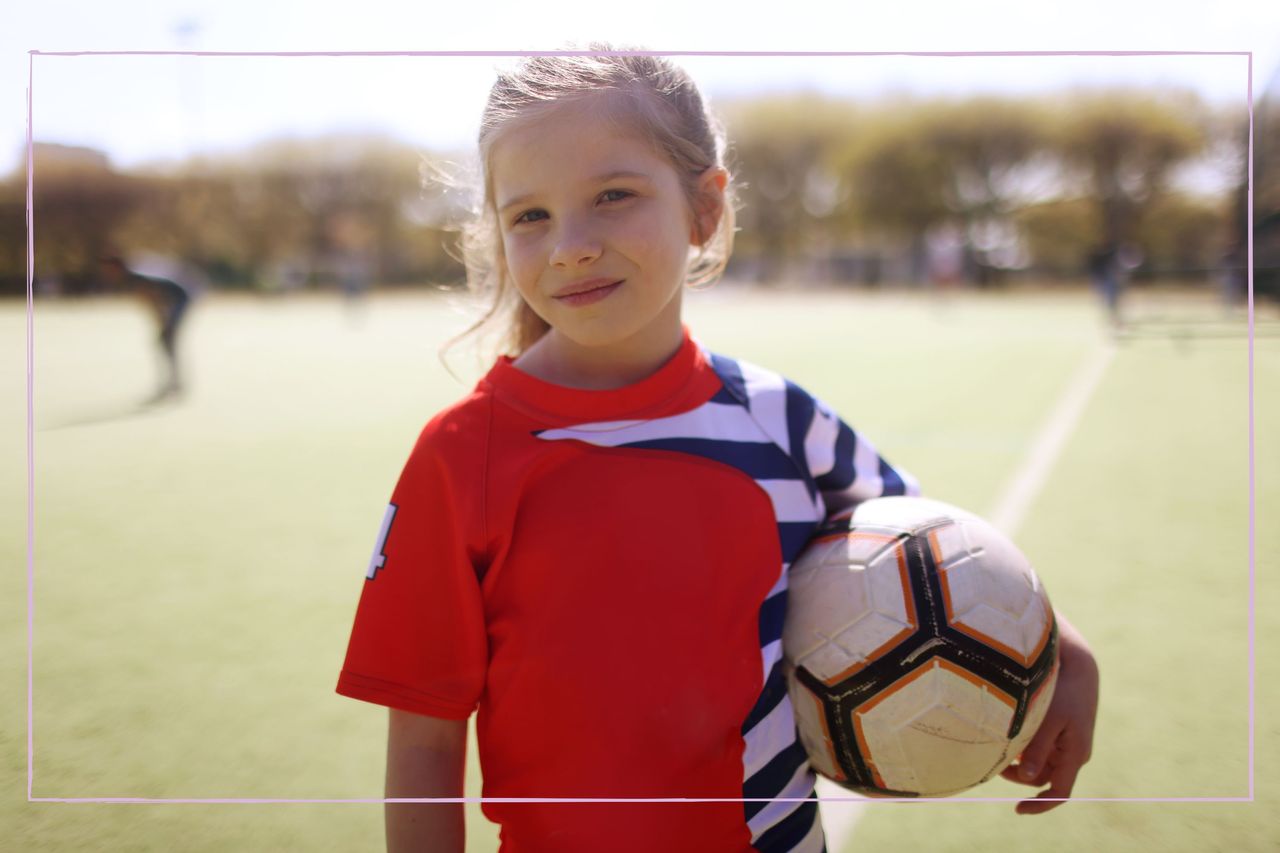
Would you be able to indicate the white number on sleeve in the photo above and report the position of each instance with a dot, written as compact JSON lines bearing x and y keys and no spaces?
{"x":379,"y":558}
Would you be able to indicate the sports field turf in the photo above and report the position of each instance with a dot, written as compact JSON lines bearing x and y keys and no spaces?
{"x":197,"y":565}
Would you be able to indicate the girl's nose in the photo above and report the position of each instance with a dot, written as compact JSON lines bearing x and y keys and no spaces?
{"x":576,"y":246}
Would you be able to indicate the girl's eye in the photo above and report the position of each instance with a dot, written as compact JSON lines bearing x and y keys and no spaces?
{"x":529,"y":216}
{"x":614,"y":195}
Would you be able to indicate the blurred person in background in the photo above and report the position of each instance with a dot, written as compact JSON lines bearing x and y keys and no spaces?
{"x":168,"y":301}
{"x":351,"y":258}
{"x":1105,"y":271}
{"x":1232,"y":277}
{"x":1111,"y":265}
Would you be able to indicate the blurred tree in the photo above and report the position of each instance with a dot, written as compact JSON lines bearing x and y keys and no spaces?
{"x":303,"y":209}
{"x":897,"y":172}
{"x":1266,"y":193}
{"x":1124,"y":145}
{"x":784,"y":158}
{"x":13,"y":244}
{"x":79,"y":202}
{"x":189,"y":213}
{"x":1228,"y":149}
{"x":1059,"y":233}
{"x":1179,"y":235}
{"x":919,"y":166}
{"x":993,"y":148}
{"x":857,"y":187}
{"x":1182,"y":236}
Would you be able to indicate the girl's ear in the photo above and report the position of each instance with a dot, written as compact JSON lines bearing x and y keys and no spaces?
{"x":708,"y":205}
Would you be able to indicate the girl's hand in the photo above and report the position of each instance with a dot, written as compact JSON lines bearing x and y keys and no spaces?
{"x":1064,"y":741}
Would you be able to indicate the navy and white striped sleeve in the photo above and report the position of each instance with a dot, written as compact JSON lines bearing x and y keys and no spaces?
{"x":840,"y":467}
{"x":844,"y":465}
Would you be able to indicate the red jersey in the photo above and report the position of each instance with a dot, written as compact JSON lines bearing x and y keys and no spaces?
{"x":602,"y":575}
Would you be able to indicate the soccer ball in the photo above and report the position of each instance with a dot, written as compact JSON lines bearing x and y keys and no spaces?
{"x":919,"y":647}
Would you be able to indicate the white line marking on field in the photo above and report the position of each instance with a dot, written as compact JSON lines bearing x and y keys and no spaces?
{"x":839,"y":818}
{"x":1029,"y":478}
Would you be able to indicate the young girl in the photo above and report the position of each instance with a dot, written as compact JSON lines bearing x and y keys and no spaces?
{"x":591,"y":549}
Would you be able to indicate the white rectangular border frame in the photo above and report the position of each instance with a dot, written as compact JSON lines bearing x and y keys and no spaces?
{"x":30,"y":424}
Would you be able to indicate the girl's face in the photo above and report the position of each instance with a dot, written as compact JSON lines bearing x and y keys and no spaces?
{"x":596,"y":230}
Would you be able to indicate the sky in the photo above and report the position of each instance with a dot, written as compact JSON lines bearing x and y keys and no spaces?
{"x":141,"y":109}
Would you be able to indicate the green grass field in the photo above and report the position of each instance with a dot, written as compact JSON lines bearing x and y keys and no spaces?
{"x":197,"y":565}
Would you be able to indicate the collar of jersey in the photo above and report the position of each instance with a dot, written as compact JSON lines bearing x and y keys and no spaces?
{"x":672,"y":388}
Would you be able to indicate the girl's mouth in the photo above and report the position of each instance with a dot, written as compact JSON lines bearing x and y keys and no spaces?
{"x":586,"y":293}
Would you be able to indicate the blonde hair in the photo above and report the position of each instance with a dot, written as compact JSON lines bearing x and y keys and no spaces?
{"x":661,"y":102}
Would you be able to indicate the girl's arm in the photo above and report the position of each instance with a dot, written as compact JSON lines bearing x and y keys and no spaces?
{"x":425,"y":758}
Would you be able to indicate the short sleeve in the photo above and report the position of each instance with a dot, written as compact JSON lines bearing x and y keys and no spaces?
{"x":845,"y":465}
{"x":419,"y":643}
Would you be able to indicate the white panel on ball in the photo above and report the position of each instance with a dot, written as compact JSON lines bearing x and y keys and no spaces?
{"x":901,"y":727}
{"x":871,"y":611}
